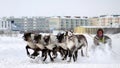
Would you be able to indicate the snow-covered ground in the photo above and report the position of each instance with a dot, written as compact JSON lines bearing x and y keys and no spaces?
{"x":13,"y":55}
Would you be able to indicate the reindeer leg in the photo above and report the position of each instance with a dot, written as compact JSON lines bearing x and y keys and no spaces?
{"x":70,"y":59}
{"x":27,"y":47}
{"x":35,"y":53}
{"x":74,"y":58}
{"x":54,"y":52}
{"x":82,"y":52}
{"x":45,"y":54}
{"x":61,"y":52}
{"x":76,"y":54}
{"x":87,"y":52}
{"x":70,"y":55}
{"x":66,"y":53}
{"x":50,"y":55}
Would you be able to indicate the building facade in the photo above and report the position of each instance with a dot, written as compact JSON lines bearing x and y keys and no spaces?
{"x":110,"y":20}
{"x":105,"y":20}
{"x":54,"y":23}
{"x":16,"y":23}
{"x":44,"y":24}
{"x":69,"y":23}
{"x":29,"y":24}
{"x":47,"y":24}
{"x":94,"y":21}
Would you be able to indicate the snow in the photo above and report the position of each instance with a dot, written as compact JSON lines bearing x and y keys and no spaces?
{"x":13,"y":55}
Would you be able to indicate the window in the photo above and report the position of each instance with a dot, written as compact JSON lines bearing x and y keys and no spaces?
{"x":34,"y":24}
{"x":72,"y":26}
{"x":34,"y":21}
{"x":5,"y":24}
{"x":34,"y":27}
{"x":25,"y":22}
{"x":8,"y":24}
{"x":2,"y":24}
{"x":67,"y":22}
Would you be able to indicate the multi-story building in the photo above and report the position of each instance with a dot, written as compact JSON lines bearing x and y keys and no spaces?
{"x":37,"y":24}
{"x":16,"y":23}
{"x":33,"y":24}
{"x":110,"y":24}
{"x":69,"y":23}
{"x":105,"y":20}
{"x":41,"y":24}
{"x":109,"y":20}
{"x":46,"y":24}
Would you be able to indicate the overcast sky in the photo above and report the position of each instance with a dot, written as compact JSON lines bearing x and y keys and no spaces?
{"x":19,"y":8}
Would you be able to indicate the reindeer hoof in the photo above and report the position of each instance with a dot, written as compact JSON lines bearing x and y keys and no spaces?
{"x":83,"y":56}
{"x":52,"y":60}
{"x":63,"y":59}
{"x":35,"y":54}
{"x":69,"y":61}
{"x":87,"y":56}
{"x":33,"y":57}
{"x":42,"y":56}
{"x":75,"y":60}
{"x":44,"y":60}
{"x":54,"y":57}
{"x":28,"y":55}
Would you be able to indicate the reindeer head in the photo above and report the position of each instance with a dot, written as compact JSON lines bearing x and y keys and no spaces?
{"x":69,"y":35}
{"x":46,"y":39}
{"x":60,"y":37}
{"x":37,"y":38}
{"x":26,"y":36}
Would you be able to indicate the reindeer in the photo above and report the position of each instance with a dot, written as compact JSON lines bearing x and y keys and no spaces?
{"x":75,"y":43}
{"x":51,"y":45}
{"x":36,"y":43}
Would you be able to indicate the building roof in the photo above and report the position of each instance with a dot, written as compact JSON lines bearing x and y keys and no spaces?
{"x":98,"y":26}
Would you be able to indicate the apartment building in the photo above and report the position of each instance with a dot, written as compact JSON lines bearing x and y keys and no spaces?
{"x":69,"y":23}
{"x":105,"y":20}
{"x":29,"y":24}
{"x":110,"y":20}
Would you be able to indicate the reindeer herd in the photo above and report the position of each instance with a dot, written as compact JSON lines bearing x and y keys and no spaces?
{"x":67,"y":44}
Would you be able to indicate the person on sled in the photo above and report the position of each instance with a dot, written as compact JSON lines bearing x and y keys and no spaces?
{"x":101,"y":39}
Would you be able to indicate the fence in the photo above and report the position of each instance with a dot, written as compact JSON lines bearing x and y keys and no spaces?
{"x":93,"y":30}
{"x":9,"y":33}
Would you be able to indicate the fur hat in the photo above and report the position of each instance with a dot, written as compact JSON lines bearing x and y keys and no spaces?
{"x":100,"y":29}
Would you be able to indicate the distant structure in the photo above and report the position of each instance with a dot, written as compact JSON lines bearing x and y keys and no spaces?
{"x":49,"y":24}
{"x":110,"y":23}
{"x":105,"y":20}
{"x":69,"y":23}
{"x":31,"y":24}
